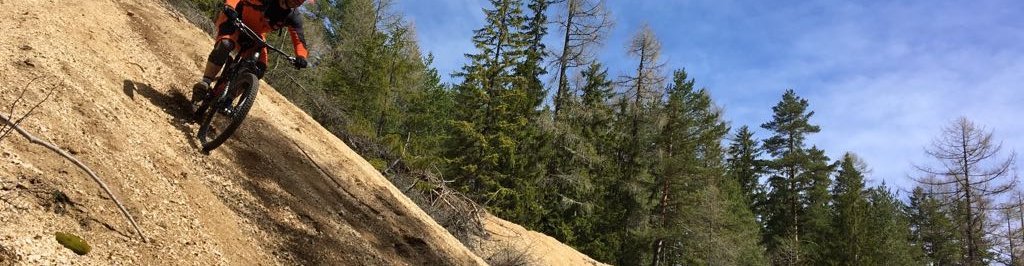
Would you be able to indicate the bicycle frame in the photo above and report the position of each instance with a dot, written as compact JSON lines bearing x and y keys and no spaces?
{"x":247,"y":57}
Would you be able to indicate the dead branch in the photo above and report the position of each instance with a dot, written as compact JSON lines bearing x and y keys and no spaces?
{"x":14,"y":125}
{"x":32,"y":139}
{"x":3,"y":128}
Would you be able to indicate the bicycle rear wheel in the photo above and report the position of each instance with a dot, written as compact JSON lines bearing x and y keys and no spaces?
{"x":225,"y":116}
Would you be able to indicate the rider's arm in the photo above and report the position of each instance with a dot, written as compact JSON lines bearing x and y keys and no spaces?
{"x":298,"y":37}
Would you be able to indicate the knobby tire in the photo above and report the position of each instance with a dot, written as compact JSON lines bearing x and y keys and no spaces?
{"x":249,"y":84}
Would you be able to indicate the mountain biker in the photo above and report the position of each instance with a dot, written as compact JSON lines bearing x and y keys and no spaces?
{"x":262,"y":16}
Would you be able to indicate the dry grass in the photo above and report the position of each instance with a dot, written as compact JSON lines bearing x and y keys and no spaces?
{"x":510,"y":255}
{"x":451,"y":209}
{"x":192,"y":12}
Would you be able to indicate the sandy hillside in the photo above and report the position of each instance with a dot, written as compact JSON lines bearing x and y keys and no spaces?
{"x":282,"y":191}
{"x":117,"y":70}
{"x":509,"y":242}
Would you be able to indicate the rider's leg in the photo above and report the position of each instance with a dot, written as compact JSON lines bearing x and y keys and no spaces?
{"x":220,"y":55}
{"x":226,"y":36}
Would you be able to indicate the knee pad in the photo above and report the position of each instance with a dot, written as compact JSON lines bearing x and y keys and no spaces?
{"x":221,"y":52}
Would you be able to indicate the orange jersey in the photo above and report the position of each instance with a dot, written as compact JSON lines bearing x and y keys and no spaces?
{"x":264,"y":18}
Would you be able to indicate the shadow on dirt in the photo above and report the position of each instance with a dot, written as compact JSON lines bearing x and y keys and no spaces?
{"x":348,"y":230}
{"x":175,"y":104}
{"x":319,"y":218}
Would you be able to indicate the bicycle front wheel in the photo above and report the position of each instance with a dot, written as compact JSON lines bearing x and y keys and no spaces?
{"x":225,"y":116}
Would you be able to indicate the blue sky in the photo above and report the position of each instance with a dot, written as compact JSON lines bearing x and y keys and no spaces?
{"x":882,"y":76}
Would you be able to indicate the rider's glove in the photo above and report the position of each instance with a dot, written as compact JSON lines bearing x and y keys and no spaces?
{"x":230,"y":13}
{"x":300,"y":63}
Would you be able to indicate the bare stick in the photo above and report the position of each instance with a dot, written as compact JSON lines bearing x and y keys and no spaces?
{"x":30,"y":110}
{"x":78,"y":163}
{"x":3,"y":128}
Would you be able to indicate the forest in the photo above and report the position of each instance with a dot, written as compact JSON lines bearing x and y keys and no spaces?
{"x":636,"y":169}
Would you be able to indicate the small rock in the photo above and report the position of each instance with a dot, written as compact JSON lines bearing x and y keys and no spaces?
{"x":25,"y":47}
{"x":31,"y":62}
{"x":130,"y":14}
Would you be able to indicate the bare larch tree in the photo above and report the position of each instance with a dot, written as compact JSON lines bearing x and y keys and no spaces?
{"x":584,"y":25}
{"x":969,"y":159}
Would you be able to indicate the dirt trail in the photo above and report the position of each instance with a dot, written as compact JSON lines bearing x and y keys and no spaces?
{"x":283,"y":191}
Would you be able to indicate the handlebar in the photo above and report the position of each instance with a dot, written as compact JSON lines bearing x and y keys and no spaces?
{"x":252,"y":35}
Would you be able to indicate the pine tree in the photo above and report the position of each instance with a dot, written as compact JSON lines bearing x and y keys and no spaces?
{"x":421,"y":109}
{"x":591,"y":117}
{"x":746,"y":168}
{"x":933,"y":230}
{"x":741,"y":231}
{"x":498,"y":150}
{"x":789,"y":178}
{"x":700,"y":217}
{"x":890,"y":237}
{"x":373,"y":57}
{"x":576,"y":181}
{"x":681,"y":177}
{"x":636,"y":115}
{"x":487,"y":148}
{"x":850,"y":213}
{"x":816,"y":231}
{"x":532,"y":68}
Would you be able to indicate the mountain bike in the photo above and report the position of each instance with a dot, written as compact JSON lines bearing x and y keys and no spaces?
{"x":224,"y":108}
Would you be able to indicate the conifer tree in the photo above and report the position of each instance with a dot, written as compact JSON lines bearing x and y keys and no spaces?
{"x":933,"y":229}
{"x":815,"y":222}
{"x":790,"y":178}
{"x":424,"y":111}
{"x":699,"y":217}
{"x":969,"y":162}
{"x":850,"y":211}
{"x":584,"y":24}
{"x":532,"y":67}
{"x":746,"y":168}
{"x":576,"y":180}
{"x":486,"y":149}
{"x":890,"y":237}
{"x":591,"y":116}
{"x":636,"y":115}
{"x":681,"y":178}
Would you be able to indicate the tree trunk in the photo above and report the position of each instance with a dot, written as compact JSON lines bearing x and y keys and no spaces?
{"x":563,"y":84}
{"x":972,"y":252}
